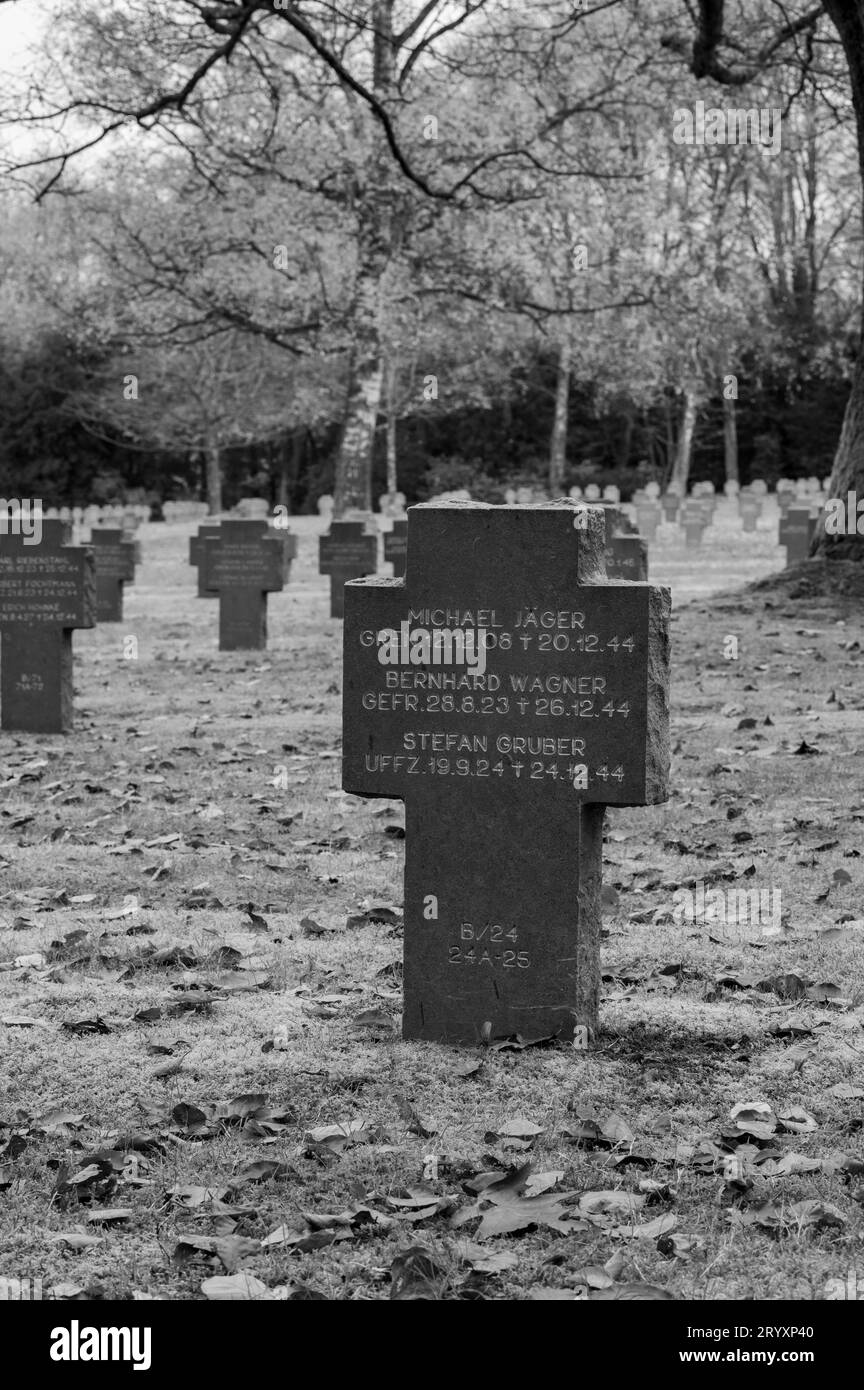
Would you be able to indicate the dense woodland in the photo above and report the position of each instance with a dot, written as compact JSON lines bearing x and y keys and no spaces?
{"x":287,"y":248}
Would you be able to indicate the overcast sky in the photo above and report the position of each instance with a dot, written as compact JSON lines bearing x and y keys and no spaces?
{"x":20,"y":23}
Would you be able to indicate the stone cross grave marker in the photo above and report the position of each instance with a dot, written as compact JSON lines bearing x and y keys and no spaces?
{"x":396,"y":547}
{"x":114,"y":555}
{"x":347,"y":551}
{"x":508,"y":694}
{"x":626,"y":551}
{"x":287,"y":540}
{"x":750,"y":509}
{"x":46,"y":591}
{"x":694,"y":518}
{"x":648,"y":518}
{"x":796,"y":533}
{"x":196,"y":555}
{"x":243,"y":562}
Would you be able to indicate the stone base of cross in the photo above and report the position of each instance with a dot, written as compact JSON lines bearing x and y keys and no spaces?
{"x":507,"y":692}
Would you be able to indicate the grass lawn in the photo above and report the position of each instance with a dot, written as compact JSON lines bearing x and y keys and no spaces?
{"x":192,"y":912}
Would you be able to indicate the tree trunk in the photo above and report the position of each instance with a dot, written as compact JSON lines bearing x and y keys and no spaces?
{"x":730,"y":439}
{"x":282,"y":478}
{"x":214,"y":479}
{"x":375,"y":244}
{"x":847,"y":474}
{"x":392,"y":480}
{"x":684,"y":451}
{"x":558,"y":445}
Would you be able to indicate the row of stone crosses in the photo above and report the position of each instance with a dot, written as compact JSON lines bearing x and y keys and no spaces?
{"x":518,"y":693}
{"x":48,"y":590}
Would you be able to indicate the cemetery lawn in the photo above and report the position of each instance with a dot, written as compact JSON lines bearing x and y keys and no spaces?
{"x":192,"y":1091}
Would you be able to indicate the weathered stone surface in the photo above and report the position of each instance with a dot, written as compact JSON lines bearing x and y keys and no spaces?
{"x":543,"y":698}
{"x":46,"y":591}
{"x":346,"y":552}
{"x":243,"y":563}
{"x":114,"y":556}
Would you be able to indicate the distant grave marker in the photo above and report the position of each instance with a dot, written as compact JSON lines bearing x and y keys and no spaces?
{"x":796,"y":532}
{"x":196,"y":555}
{"x":46,"y":591}
{"x":243,"y":563}
{"x":648,"y":518}
{"x":392,"y":504}
{"x":749,"y":509}
{"x":114,"y":553}
{"x":346,"y":552}
{"x":627,"y":558}
{"x":592,"y":493}
{"x":252,"y":509}
{"x":507,"y":694}
{"x":396,"y":546}
{"x":693,"y":517}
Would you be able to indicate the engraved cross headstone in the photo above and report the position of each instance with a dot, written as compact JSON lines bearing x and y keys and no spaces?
{"x":796,"y":533}
{"x":196,"y":555}
{"x":244,"y":563}
{"x":114,"y":555}
{"x":347,"y":551}
{"x":46,"y":591}
{"x":507,"y":692}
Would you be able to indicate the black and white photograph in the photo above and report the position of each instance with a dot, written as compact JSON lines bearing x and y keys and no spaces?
{"x":431,"y":671}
